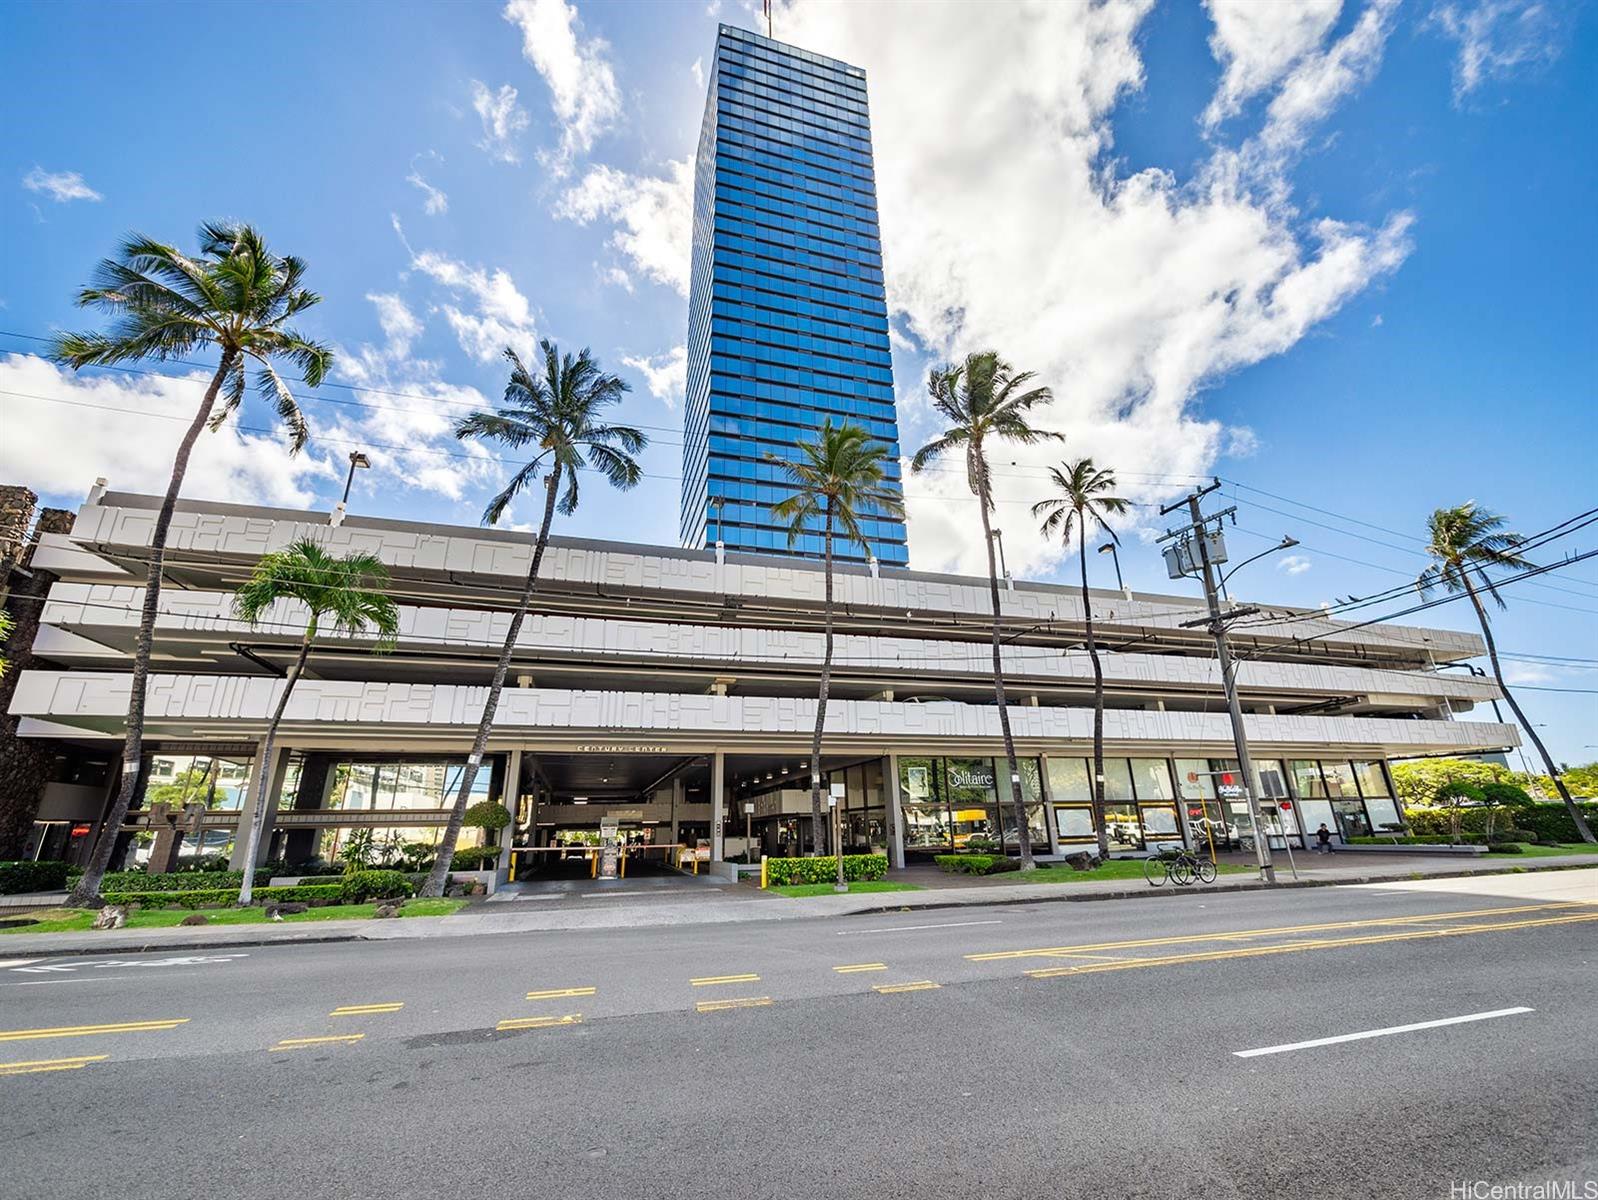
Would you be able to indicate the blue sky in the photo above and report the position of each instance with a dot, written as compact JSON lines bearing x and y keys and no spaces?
{"x":1340,"y":254}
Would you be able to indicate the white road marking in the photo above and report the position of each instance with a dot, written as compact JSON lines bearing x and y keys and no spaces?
{"x":13,"y":962}
{"x":905,"y":928}
{"x":1376,"y":1033}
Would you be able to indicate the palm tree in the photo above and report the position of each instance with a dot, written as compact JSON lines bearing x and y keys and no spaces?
{"x":1465,"y":541}
{"x":1081,"y":500}
{"x":838,"y":480}
{"x":345,"y":594}
{"x":559,"y":412}
{"x":985,"y":399}
{"x":237,"y":298}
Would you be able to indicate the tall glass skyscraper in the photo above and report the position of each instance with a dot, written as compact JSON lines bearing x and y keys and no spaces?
{"x":787,"y":318}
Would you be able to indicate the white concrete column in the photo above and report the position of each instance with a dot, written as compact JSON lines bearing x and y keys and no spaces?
{"x":890,"y":769}
{"x":274,"y":773}
{"x":718,"y":803}
{"x":511,"y":800}
{"x":1048,"y":804}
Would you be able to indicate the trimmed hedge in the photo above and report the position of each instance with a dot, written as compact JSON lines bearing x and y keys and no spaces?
{"x":856,"y":867}
{"x":976,"y":864}
{"x":178,"y":881}
{"x":475,"y":858}
{"x":200,"y":898}
{"x":1544,"y":821}
{"x":45,"y":876}
{"x":361,"y":886}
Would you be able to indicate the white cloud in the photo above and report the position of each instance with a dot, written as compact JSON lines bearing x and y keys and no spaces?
{"x":616,"y":277}
{"x":1497,"y":38}
{"x":582,"y":85}
{"x":60,"y":186}
{"x":698,"y":72}
{"x":1257,"y":42}
{"x":1128,"y":294}
{"x":407,"y":428}
{"x":653,"y":217}
{"x":1376,"y":321}
{"x":499,"y":314}
{"x":400,"y":325}
{"x":436,"y":202}
{"x":502,"y":120}
{"x":666,"y":374}
{"x":65,"y":429}
{"x":1294,"y":564}
{"x":1319,"y":82}
{"x":1528,"y":673}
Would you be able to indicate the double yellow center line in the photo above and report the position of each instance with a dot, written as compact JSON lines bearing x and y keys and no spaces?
{"x":366,"y":1010}
{"x":64,"y":1031}
{"x":50,"y":1064}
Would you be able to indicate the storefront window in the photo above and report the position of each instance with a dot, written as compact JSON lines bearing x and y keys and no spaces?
{"x":1383,"y":814}
{"x":975,"y":827}
{"x":926,"y":827}
{"x":1307,"y":781}
{"x":1339,"y":779}
{"x":1152,"y":778}
{"x":1068,"y":780}
{"x":1273,"y":779}
{"x":969,"y":781}
{"x":1126,"y":831}
{"x":1159,"y":823}
{"x":1372,"y":779}
{"x":1074,"y":822}
{"x":1117,"y":779}
{"x":1351,"y":821}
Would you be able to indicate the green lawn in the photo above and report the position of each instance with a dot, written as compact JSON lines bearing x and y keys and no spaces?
{"x":1529,"y":851}
{"x":68,"y":921}
{"x":1115,"y":869}
{"x":826,"y":889}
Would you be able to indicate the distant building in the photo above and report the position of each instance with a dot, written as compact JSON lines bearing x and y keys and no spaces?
{"x":787,"y":317}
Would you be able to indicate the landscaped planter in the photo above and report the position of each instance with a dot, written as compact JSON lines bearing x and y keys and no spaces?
{"x":1411,"y":848}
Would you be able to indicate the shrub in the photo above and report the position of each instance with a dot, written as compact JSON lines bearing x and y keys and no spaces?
{"x":1552,"y":823}
{"x":781,"y":871}
{"x":976,"y":864}
{"x":213,"y":897}
{"x":201,"y":862}
{"x":179,"y":881}
{"x":1506,"y":848}
{"x":486,"y":814}
{"x":474,"y":858}
{"x":1507,"y":795}
{"x":47,"y":875}
{"x":360,"y":886}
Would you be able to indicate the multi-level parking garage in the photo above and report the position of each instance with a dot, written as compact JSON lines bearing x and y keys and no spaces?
{"x":672,"y":693}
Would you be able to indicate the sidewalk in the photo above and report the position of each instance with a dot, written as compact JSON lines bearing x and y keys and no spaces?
{"x":646,"y":908}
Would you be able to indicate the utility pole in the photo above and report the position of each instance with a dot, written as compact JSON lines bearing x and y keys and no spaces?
{"x":1196,"y":535}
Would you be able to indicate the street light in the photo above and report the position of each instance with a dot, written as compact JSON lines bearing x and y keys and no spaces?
{"x":1287,"y":543}
{"x":357,"y":460}
{"x":1115,"y":554}
{"x":1004,"y":570}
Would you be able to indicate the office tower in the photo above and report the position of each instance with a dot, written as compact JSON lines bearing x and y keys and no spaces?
{"x":787,"y":318}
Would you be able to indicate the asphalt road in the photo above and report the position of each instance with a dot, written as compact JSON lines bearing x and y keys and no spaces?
{"x":1048,"y":1049}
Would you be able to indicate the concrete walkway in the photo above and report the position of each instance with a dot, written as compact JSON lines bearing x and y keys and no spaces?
{"x":649,"y":907}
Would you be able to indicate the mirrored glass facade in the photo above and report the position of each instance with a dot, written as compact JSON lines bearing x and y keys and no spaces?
{"x":787,"y":317}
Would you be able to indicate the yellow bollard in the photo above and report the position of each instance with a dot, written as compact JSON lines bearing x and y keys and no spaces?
{"x":762,"y":872}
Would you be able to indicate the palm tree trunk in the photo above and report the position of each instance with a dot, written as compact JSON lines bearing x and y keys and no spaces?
{"x":1018,"y":806}
{"x":822,"y":844}
{"x":1098,"y":693}
{"x":88,"y":890}
{"x":1571,"y":806}
{"x":263,"y":773}
{"x":439,"y":875}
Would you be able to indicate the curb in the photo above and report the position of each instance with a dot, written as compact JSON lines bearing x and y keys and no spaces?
{"x":1045,"y":895}
{"x":1054,"y":897}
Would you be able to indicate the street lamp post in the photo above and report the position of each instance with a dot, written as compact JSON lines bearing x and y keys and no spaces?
{"x":1116,"y":555}
{"x":358,"y":460}
{"x":1004,"y":570}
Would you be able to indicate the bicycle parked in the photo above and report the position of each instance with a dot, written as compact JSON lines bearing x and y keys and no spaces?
{"x":1181,"y":867}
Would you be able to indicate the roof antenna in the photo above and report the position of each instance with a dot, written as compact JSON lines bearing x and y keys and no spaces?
{"x":769,"y":34}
